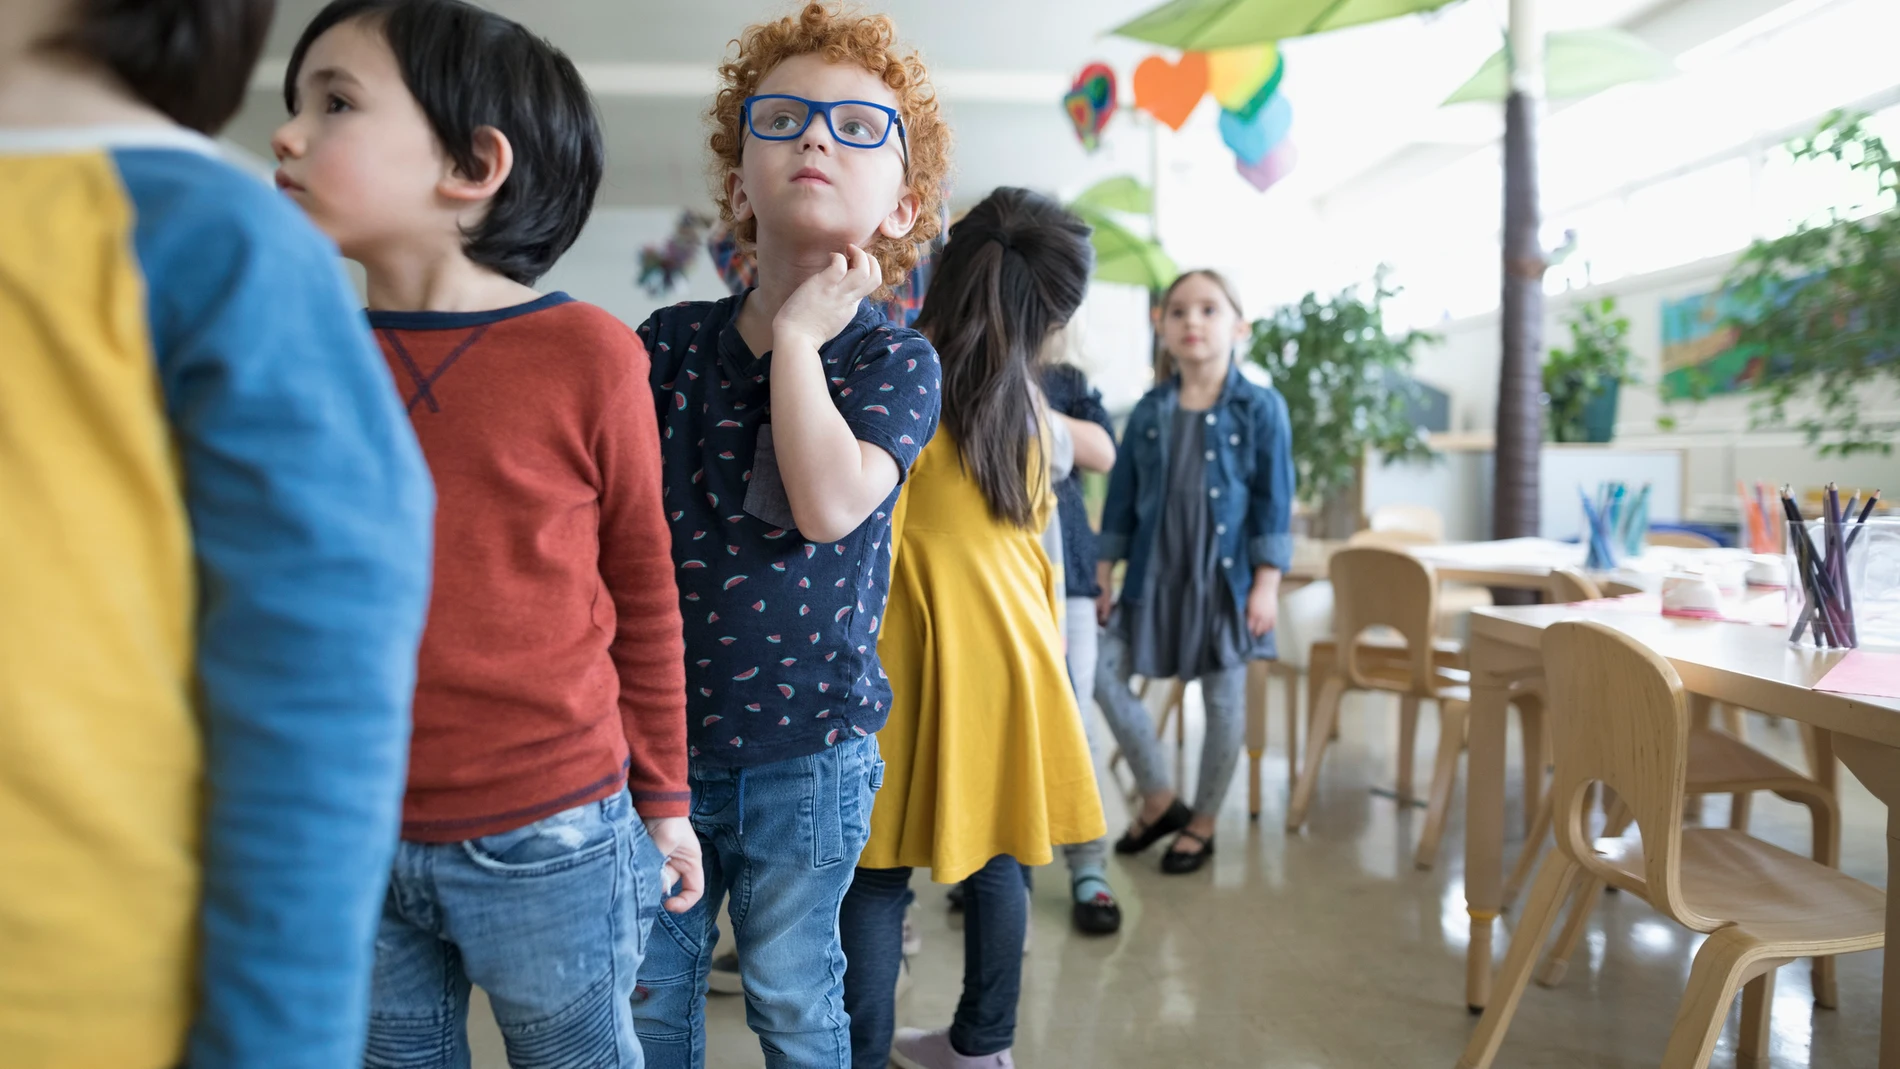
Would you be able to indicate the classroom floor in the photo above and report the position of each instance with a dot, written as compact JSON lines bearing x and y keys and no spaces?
{"x":1328,"y":950}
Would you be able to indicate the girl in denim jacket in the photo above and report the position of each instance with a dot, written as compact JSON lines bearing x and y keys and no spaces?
{"x":1198,"y":505}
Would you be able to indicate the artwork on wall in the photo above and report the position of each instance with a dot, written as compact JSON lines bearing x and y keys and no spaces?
{"x":1699,"y":355}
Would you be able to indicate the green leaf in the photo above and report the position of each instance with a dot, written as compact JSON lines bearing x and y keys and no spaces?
{"x":1342,"y":377}
{"x":1822,"y":304}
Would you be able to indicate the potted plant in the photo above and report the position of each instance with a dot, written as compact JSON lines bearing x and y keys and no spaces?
{"x":1346,"y":393}
{"x":1581,"y":382}
{"x":1823,"y":303}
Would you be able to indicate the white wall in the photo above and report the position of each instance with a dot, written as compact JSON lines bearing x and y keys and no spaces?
{"x":1719,"y":445}
{"x":603,"y":267}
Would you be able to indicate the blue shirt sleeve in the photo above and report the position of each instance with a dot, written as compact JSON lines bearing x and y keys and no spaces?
{"x":892,"y":395}
{"x":1270,"y":498}
{"x":311,"y":515}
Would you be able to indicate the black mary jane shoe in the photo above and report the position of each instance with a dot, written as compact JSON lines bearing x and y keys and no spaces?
{"x":1176,"y":818}
{"x":1100,"y":915}
{"x":1180,"y":862}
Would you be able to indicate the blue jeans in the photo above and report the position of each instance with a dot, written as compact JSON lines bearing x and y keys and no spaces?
{"x":995,"y":921}
{"x":550,"y":919}
{"x":782,"y":840}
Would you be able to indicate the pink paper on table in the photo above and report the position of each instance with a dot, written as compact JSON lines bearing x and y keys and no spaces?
{"x":1758,"y":610}
{"x":1862,"y":672}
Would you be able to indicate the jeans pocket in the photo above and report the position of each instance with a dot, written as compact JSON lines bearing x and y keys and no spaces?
{"x":827,"y":805}
{"x":646,"y":882}
{"x":553,"y":844}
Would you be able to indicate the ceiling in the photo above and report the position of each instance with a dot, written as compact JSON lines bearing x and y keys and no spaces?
{"x":1366,"y":100}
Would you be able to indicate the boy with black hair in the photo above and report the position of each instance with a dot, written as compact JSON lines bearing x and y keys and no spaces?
{"x":455,"y":156}
{"x":215,"y":565}
{"x":791,"y":414}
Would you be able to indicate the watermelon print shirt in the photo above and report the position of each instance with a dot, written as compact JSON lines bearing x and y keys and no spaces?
{"x":781,"y":632}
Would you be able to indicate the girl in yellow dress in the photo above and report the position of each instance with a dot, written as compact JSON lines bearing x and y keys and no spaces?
{"x":986,"y":764}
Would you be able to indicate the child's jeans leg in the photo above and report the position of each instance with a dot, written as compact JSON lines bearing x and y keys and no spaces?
{"x":788,"y":835}
{"x":871,"y":929}
{"x":669,"y":1006}
{"x":418,"y":991}
{"x":1127,"y":717}
{"x":1083,"y":635}
{"x":1224,"y":697}
{"x":550,"y":919}
{"x":996,"y":919}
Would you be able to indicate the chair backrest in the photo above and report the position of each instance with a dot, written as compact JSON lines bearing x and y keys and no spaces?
{"x":1616,"y":588}
{"x":1618,"y":717}
{"x":1391,"y":539}
{"x":1569,"y":584}
{"x":1378,"y":587}
{"x":1681,"y":540}
{"x":1422,"y":520}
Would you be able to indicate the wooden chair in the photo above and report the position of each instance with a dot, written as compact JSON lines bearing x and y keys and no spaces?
{"x":1718,"y":764}
{"x":1620,"y":720}
{"x":1373,"y":588}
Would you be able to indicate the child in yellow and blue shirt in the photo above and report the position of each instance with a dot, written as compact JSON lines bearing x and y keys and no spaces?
{"x":214,"y":564}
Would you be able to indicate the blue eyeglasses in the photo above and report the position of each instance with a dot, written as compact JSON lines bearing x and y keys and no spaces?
{"x":857,"y":123}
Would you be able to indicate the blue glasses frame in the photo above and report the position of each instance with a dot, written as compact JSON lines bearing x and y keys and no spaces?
{"x":824,"y":107}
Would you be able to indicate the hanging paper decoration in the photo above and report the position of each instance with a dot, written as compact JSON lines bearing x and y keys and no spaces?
{"x":664,"y":266}
{"x":1091,"y":103}
{"x":1252,"y":105}
{"x":1252,"y":139}
{"x":735,"y":265}
{"x":1234,"y":75}
{"x":1272,"y":167}
{"x":1169,"y":91}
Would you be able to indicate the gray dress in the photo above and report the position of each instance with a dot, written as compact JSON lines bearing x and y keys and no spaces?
{"x":1187,"y":623}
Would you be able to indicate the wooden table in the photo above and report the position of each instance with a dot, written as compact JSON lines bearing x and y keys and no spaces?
{"x":1518,"y":563}
{"x":1526,"y":563}
{"x":1749,"y":666}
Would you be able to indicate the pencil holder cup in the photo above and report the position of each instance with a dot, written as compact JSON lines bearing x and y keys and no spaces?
{"x":1844,"y":584}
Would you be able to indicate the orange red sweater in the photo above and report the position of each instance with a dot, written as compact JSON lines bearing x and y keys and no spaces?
{"x":552,"y":669}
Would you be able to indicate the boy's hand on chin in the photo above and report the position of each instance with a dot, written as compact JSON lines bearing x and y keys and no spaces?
{"x":824,"y":305}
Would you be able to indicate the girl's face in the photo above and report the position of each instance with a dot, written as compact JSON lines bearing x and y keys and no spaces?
{"x":1199,"y":324}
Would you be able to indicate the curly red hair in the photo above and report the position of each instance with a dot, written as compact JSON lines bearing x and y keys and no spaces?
{"x":840,"y":36}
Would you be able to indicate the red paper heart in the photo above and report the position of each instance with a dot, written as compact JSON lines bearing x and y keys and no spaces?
{"x":1169,"y":91}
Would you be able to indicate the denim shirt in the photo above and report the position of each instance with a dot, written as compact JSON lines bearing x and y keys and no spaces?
{"x":1250,"y":482}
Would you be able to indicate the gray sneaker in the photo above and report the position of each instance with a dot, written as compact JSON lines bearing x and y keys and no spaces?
{"x":724,"y":978}
{"x":916,"y":1049}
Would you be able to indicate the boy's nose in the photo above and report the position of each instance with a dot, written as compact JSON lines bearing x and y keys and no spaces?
{"x":281,"y":143}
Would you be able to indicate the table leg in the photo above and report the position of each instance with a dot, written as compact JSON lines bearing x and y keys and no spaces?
{"x":1484,"y":813}
{"x":1878,"y":768}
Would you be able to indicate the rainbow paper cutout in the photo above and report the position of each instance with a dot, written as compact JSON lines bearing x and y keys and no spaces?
{"x":1090,"y":103}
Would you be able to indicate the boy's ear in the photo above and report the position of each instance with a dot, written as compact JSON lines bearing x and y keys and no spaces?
{"x":497,"y":158}
{"x":736,"y":196}
{"x":902,"y":218}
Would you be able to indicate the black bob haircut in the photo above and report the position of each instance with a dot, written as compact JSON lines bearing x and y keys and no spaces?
{"x":190,"y":59}
{"x":469,"y":68}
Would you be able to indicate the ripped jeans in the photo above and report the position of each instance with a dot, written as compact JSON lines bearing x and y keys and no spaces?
{"x":551,"y":919}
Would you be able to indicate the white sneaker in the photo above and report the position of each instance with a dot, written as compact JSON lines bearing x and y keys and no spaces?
{"x":917,"y":1049}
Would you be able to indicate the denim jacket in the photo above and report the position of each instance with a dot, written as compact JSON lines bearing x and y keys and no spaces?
{"x":1249,"y":482}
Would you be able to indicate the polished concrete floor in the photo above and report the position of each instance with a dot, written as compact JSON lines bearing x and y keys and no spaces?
{"x":1328,"y":949}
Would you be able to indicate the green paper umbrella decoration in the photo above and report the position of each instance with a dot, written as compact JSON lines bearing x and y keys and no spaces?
{"x":1121,"y":255}
{"x":1203,"y":24}
{"x":1577,"y":63}
{"x":1123,"y":193}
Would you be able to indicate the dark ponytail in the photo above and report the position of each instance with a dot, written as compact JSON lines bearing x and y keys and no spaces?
{"x":1016,"y":268}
